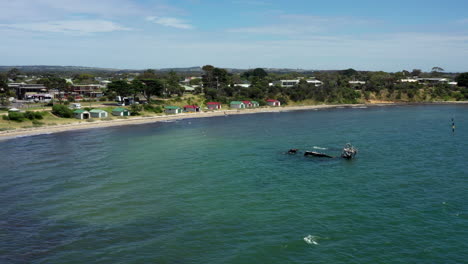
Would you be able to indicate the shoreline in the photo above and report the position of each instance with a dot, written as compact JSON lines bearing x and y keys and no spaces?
{"x":10,"y":134}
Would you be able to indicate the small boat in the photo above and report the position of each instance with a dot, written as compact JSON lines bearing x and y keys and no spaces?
{"x":349,"y":151}
{"x":317,"y":154}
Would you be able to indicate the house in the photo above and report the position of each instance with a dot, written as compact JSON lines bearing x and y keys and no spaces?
{"x":188,"y":88}
{"x":273,"y":102}
{"x":81,"y":114}
{"x":98,"y":113}
{"x":89,"y":90}
{"x":248,"y":104}
{"x":357,"y":82}
{"x":315,"y":82}
{"x":255,"y":104}
{"x":408,"y":80}
{"x":432,"y":80}
{"x":237,"y":104}
{"x":287,"y":83}
{"x":119,"y":111}
{"x":213,"y":105}
{"x":172,"y":110}
{"x":292,"y":83}
{"x":191,"y":108}
{"x":22,"y":89}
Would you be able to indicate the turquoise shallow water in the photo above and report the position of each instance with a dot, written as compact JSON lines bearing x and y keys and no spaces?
{"x":221,"y":190}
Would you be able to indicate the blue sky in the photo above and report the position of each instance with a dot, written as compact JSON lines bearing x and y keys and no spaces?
{"x":139,"y":34}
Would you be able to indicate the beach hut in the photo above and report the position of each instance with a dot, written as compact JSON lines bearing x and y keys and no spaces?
{"x":81,"y":114}
{"x":191,"y":108}
{"x":119,"y":111}
{"x":172,"y":110}
{"x":254,"y":104}
{"x":248,"y":104}
{"x":213,"y":105}
{"x":237,"y":104}
{"x":98,"y":113}
{"x":273,"y":102}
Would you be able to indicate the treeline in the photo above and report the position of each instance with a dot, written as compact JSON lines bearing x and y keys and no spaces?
{"x":219,"y":85}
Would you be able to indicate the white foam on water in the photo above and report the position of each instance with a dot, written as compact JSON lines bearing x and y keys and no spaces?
{"x":311,"y":240}
{"x":315,"y":147}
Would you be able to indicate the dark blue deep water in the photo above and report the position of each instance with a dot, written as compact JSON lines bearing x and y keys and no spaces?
{"x":221,"y":190}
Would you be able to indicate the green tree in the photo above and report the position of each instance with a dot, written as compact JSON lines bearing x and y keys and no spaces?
{"x":349,"y":72}
{"x":172,"y":84}
{"x":148,"y":74}
{"x":121,"y":88}
{"x":83,"y":78}
{"x":462,"y":79}
{"x":260,"y":73}
{"x":207,"y":77}
{"x":13,"y":74}
{"x":4,"y":90}
{"x":416,"y":72}
{"x":152,"y":87}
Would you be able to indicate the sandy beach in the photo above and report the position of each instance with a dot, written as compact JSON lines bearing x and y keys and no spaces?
{"x":144,"y":120}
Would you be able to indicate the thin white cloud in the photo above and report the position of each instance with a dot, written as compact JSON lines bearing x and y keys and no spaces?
{"x":47,"y":10}
{"x":292,"y":24}
{"x":170,"y":22}
{"x":68,"y":26}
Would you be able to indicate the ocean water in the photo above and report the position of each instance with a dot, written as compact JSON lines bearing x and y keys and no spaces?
{"x":222,"y":190}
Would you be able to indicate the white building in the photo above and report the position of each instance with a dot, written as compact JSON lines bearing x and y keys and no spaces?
{"x":287,"y":83}
{"x":292,"y":83}
{"x":357,"y":82}
{"x":317,"y":83}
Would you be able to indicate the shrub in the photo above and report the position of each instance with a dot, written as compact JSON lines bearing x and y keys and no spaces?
{"x":157,"y":109}
{"x":152,"y":108}
{"x":16,"y":116}
{"x":135,"y":109}
{"x":283,"y":100}
{"x":33,"y":115}
{"x":62,"y":111}
{"x":102,"y":99}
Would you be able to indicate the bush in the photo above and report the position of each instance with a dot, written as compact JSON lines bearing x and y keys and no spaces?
{"x":16,"y":116}
{"x":283,"y":100}
{"x":102,"y":99}
{"x":135,"y":109}
{"x":152,"y":108}
{"x":62,"y":111}
{"x":33,"y":115}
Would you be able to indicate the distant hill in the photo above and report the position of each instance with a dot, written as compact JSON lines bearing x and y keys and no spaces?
{"x":83,"y":69}
{"x":49,"y":68}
